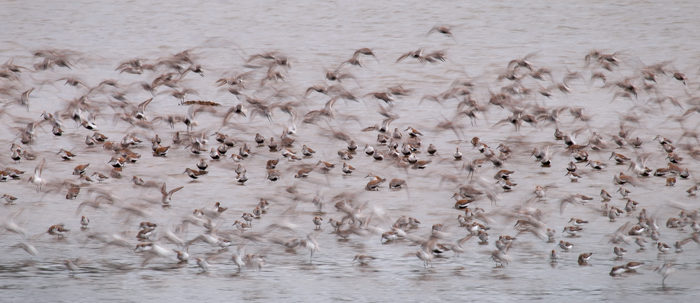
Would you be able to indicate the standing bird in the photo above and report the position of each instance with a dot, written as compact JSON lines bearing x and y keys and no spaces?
{"x":194,"y":174}
{"x":665,"y":270}
{"x":347,"y":169}
{"x":318,"y":221}
{"x":583,"y":258}
{"x":84,"y":221}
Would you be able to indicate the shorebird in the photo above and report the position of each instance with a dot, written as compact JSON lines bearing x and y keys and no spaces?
{"x":503,"y":174}
{"x":168,"y":195}
{"x":36,"y":178}
{"x":596,"y":164}
{"x":619,"y":158}
{"x":84,"y":222}
{"x":307,"y":151}
{"x":572,"y":230}
{"x":619,"y":252}
{"x":9,"y":199}
{"x":621,"y":178}
{"x":273,"y":174}
{"x":396,"y":184}
{"x":303,"y":172}
{"x":583,"y":258}
{"x":194,"y":174}
{"x":577,"y":221}
{"x":182,"y":256}
{"x":461,"y":203}
{"x":692,"y":190}
{"x":417,"y":54}
{"x":369,"y":150}
{"x":160,"y":151}
{"x":203,"y":265}
{"x":99,"y":137}
{"x":553,"y":258}
{"x":117,"y":161}
{"x":663,"y":247}
{"x":507,"y":185}
{"x":66,"y":155}
{"x":311,"y":244}
{"x":325,"y":166}
{"x":58,"y":230}
{"x":241,"y":178}
{"x":257,"y":212}
{"x":202,"y":164}
{"x":80,"y":169}
{"x":214,"y":154}
{"x":271,"y":164}
{"x":670,"y":181}
{"x":665,"y":270}
{"x":347,"y":169}
{"x":425,"y":256}
{"x":633,"y":266}
{"x":442,"y":29}
{"x":363,"y":260}
{"x":623,"y":191}
{"x":550,"y":235}
{"x":318,"y":221}
{"x":618,"y":270}
{"x":373,"y":185}
{"x":500,"y":258}
{"x":431,"y":149}
{"x":457,"y":154}
{"x":565,"y":246}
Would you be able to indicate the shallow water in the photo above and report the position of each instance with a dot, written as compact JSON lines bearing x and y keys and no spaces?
{"x":317,"y":37}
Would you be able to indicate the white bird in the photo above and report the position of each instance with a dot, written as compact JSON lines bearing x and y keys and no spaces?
{"x":153,"y":250}
{"x":311,"y":244}
{"x":369,"y":150}
{"x":173,"y":238}
{"x":36,"y":178}
{"x":209,"y":239}
{"x":665,"y":270}
{"x":30,"y":249}
{"x":254,"y":261}
{"x":237,"y":258}
{"x":202,"y":263}
{"x":72,"y":265}
{"x":424,"y":256}
{"x":500,"y":257}
{"x":182,"y":256}
{"x":110,"y":239}
{"x":10,"y":225}
{"x":168,"y":195}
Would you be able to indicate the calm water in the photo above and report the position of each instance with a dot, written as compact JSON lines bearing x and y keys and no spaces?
{"x":317,"y":37}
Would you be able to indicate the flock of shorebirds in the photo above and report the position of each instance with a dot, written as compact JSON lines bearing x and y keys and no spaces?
{"x":114,"y":120}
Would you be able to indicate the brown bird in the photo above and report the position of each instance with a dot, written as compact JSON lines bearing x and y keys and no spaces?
{"x":442,"y":29}
{"x":58,"y":230}
{"x":160,"y":151}
{"x":583,"y":258}
{"x":373,"y":185}
{"x":66,"y":155}
{"x":80,"y":169}
{"x":396,"y":184}
{"x":194,"y":174}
